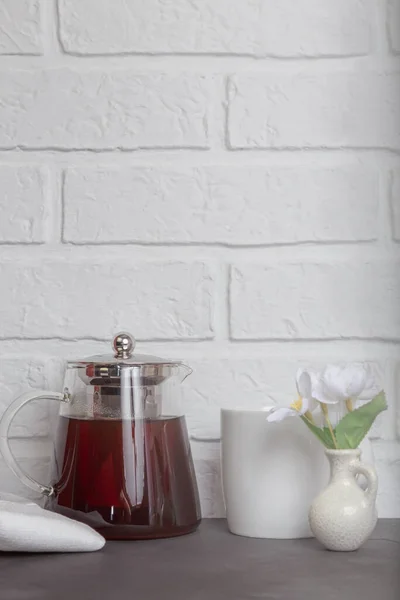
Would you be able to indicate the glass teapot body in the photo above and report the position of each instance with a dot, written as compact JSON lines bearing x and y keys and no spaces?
{"x":122,"y":461}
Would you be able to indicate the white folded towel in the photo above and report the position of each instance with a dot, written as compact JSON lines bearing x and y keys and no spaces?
{"x":25,"y":527}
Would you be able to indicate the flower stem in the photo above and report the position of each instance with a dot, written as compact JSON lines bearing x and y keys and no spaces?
{"x":309,"y":417}
{"x":324,"y":409}
{"x":349,"y":405}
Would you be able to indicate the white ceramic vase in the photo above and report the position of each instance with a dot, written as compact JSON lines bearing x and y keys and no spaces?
{"x":344,"y":515}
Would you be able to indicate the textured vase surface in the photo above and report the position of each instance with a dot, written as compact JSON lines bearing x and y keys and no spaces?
{"x":344,"y":514}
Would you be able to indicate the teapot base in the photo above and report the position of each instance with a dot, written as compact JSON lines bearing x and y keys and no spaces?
{"x":131,"y":533}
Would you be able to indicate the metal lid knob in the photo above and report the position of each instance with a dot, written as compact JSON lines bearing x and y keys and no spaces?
{"x":123,"y":344}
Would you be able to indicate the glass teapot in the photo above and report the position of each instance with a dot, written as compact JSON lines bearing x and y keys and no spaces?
{"x":122,"y":460}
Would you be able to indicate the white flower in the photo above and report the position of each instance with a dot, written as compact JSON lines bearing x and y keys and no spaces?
{"x":339,"y":383}
{"x":304,"y":403}
{"x":304,"y":384}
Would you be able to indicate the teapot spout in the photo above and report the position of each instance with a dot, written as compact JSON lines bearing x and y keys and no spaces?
{"x":183,"y":372}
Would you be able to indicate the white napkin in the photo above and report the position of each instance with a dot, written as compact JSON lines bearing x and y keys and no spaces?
{"x":25,"y":527}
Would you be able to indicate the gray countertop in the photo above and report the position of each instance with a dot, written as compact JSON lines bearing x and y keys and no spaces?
{"x":210,"y":564}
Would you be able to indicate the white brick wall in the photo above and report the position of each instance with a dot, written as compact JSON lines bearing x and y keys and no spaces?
{"x":316,"y":301}
{"x":17,"y":376}
{"x":235,"y":206}
{"x":249,"y":27}
{"x":395,"y":205}
{"x":222,"y":178}
{"x":394,"y":25}
{"x":23,"y":204}
{"x":99,"y":109}
{"x":20,"y":27}
{"x":166,"y":300}
{"x":314,"y":111}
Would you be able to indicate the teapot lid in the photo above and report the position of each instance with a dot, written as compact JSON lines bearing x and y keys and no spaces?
{"x":124,"y":345}
{"x":107,"y":369}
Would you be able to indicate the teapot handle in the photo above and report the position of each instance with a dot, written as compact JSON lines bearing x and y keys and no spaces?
{"x":370,"y":475}
{"x":5,"y":449}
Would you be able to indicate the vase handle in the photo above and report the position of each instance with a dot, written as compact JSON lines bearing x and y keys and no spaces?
{"x":372,"y":478}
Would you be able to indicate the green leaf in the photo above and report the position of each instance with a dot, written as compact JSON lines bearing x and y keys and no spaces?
{"x":353,"y":428}
{"x":323,"y":434}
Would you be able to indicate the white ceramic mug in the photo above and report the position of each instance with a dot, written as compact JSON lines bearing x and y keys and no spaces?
{"x":271,"y":473}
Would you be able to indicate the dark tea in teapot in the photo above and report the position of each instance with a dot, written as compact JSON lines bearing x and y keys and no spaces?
{"x":135,"y":475}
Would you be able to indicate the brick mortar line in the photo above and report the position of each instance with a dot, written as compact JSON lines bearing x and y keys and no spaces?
{"x":207,"y":63}
{"x":377,"y":158}
{"x":261,"y":253}
{"x":143,"y":151}
{"x":209,"y":340}
{"x":210,"y":349}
